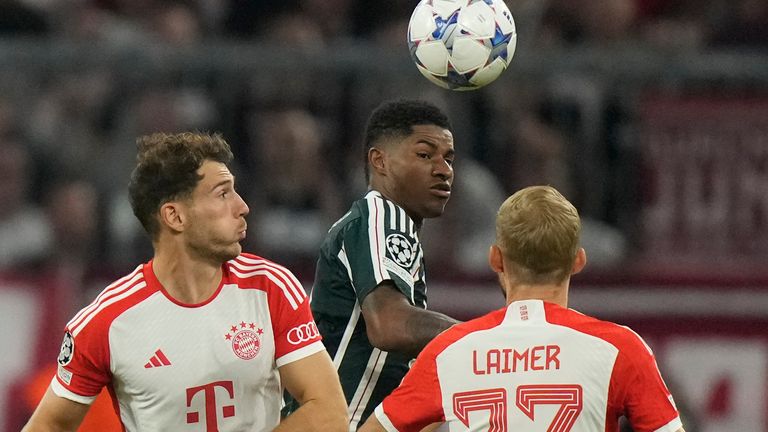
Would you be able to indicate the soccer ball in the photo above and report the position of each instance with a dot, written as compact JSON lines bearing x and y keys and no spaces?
{"x":461,"y":44}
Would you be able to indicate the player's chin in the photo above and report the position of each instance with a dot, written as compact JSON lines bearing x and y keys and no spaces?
{"x":237,"y":249}
{"x":232,"y":252}
{"x":435,"y":210}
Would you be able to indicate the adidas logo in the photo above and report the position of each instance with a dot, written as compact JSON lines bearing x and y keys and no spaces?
{"x":157,"y":360}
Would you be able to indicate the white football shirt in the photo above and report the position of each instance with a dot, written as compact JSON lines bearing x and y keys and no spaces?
{"x":533,"y":366}
{"x":190,"y":367}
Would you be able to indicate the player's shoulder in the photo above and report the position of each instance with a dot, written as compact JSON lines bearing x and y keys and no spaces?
{"x":249,"y":271}
{"x":370,"y":207}
{"x":118,"y":297}
{"x":356,"y":214}
{"x":372,"y":212}
{"x":622,"y":337}
{"x":381,"y":213}
{"x":247,"y":268}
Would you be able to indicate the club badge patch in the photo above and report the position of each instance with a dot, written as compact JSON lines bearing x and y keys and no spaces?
{"x":401,"y":250}
{"x":245,"y":339}
{"x":67,"y":349}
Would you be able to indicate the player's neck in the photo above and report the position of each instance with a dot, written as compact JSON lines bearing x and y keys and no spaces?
{"x":556,"y":294}
{"x":185,"y":279}
{"x":378,"y":187}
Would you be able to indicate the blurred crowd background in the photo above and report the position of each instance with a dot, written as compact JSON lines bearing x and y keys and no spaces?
{"x":650,"y":115}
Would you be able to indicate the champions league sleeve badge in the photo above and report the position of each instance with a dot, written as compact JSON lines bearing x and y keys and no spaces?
{"x":67,"y":349}
{"x":401,"y":250}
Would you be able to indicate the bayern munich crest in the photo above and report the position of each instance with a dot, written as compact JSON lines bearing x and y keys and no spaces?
{"x":401,"y":250}
{"x":245,"y":339}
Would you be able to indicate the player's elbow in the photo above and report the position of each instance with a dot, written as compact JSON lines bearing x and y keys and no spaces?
{"x":385,"y":338}
{"x":338,"y":422}
{"x":331,"y":417}
{"x":376,"y":335}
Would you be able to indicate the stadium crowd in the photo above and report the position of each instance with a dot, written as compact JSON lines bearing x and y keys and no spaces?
{"x":68,"y":135}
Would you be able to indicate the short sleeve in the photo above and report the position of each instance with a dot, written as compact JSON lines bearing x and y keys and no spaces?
{"x":417,"y":402}
{"x":83,"y":365}
{"x":648,"y":404}
{"x":296,"y":334}
{"x":381,"y":246}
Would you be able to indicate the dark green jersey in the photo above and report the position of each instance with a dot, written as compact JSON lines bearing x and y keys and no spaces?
{"x":374,"y":242}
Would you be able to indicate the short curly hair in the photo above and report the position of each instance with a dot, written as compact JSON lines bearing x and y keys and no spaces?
{"x":166,"y":169}
{"x":396,"y":118}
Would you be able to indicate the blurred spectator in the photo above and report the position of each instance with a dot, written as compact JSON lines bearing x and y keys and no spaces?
{"x":588,"y":21}
{"x":64,"y":123}
{"x":532,"y":150}
{"x":17,"y":18}
{"x":290,"y":22}
{"x":332,"y":16}
{"x":294,"y":29}
{"x":292,"y":195}
{"x":176,"y":22}
{"x":72,"y":210}
{"x":743,"y":25}
{"x":87,"y":21}
{"x":369,"y":17}
{"x":247,"y":18}
{"x":24,"y":232}
{"x":122,"y":23}
{"x":158,"y":108}
{"x":8,"y":120}
{"x":677,"y":24}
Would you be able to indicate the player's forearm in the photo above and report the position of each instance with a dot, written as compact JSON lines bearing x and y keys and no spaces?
{"x":56,"y":414}
{"x":316,"y":415}
{"x":30,"y":427}
{"x":417,"y":328}
{"x":393,"y":324}
{"x":424,"y":326}
{"x":34,"y":425}
{"x":372,"y":425}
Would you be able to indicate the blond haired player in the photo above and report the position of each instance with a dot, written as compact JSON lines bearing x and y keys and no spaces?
{"x":534,"y":365}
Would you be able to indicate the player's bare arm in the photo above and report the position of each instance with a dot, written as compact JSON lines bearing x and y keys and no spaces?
{"x":314,"y":383}
{"x":393,"y":324}
{"x":56,"y":414}
{"x":372,"y":425}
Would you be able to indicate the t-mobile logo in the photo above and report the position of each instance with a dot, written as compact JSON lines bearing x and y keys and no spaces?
{"x":209,"y":395}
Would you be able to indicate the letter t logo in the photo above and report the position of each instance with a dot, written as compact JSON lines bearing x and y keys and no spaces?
{"x":209,"y":395}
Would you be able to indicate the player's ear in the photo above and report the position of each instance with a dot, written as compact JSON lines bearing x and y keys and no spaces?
{"x":172,"y":215}
{"x":580,"y":261}
{"x":496,"y":259}
{"x":377,"y":159}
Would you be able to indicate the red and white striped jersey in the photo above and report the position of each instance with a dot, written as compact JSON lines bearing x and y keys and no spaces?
{"x":190,"y":367}
{"x":530,"y":367}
